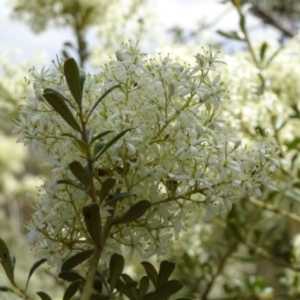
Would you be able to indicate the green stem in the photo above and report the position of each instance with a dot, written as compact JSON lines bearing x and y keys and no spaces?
{"x":93,"y":265}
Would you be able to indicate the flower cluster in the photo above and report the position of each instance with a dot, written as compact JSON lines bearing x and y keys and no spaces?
{"x":178,"y":153}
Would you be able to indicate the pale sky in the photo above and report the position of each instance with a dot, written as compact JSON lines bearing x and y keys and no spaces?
{"x":185,"y":13}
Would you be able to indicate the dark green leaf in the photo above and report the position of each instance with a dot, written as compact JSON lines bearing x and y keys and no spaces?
{"x":100,"y":135}
{"x":234,"y":35}
{"x":70,"y":276}
{"x":106,"y":187}
{"x":111,"y":142}
{"x":81,"y":173}
{"x":6,"y":262}
{"x":116,"y":266}
{"x":273,"y":56}
{"x":184,"y":298}
{"x":98,"y":147}
{"x":100,"y":99}
{"x":33,"y":268}
{"x":263,"y":49}
{"x":165,"y":271}
{"x":131,"y":285}
{"x":60,"y":106}
{"x":6,"y":289}
{"x":166,"y":290}
{"x":118,"y":197}
{"x":97,"y":285}
{"x":294,"y":144}
{"x":144,"y":286}
{"x":89,"y":134}
{"x":71,"y":72}
{"x":121,"y":287}
{"x":71,"y":182}
{"x":134,"y":213}
{"x":243,"y":23}
{"x":82,"y":78}
{"x":76,"y":259}
{"x":44,"y":296}
{"x":151,"y":272}
{"x":91,"y":215}
{"x":71,"y":290}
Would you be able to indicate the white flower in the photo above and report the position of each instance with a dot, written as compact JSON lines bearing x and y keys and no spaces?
{"x":178,"y":147}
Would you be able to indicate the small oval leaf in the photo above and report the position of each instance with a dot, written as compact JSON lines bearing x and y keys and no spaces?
{"x":44,"y":296}
{"x":91,"y":216}
{"x":97,"y":285}
{"x":151,"y":272}
{"x":71,"y":290}
{"x":81,"y":173}
{"x":165,"y":271}
{"x":167,"y":289}
{"x":130,"y":285}
{"x":118,"y":197}
{"x":33,"y":268}
{"x":6,"y":262}
{"x":134,"y":213}
{"x":70,"y":276}
{"x":100,"y":99}
{"x":60,"y":106}
{"x":144,"y":286}
{"x":71,"y":182}
{"x":111,"y":142}
{"x":76,"y":259}
{"x":106,"y":187}
{"x":116,"y":266}
{"x":71,"y":72}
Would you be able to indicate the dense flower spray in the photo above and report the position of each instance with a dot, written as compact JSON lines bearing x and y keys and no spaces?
{"x":164,"y":149}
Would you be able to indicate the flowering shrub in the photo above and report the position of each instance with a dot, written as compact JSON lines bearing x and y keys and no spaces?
{"x":133,"y":151}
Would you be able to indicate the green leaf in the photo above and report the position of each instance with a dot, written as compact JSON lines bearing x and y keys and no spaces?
{"x":76,"y":259}
{"x":184,"y":298}
{"x":6,"y":289}
{"x":44,"y":296}
{"x":70,"y":276}
{"x":144,"y":286}
{"x":118,"y":197}
{"x":106,"y":187}
{"x":89,"y":134}
{"x":71,"y":290}
{"x":60,"y":106}
{"x":91,"y":215}
{"x":81,"y":173}
{"x":116,"y":266}
{"x":71,"y":72}
{"x":100,"y":99}
{"x":263,"y":49}
{"x":121,"y":287}
{"x":71,"y":182}
{"x":131,"y":285}
{"x":294,"y":144}
{"x":100,"y":135}
{"x":165,"y":271}
{"x":273,"y":56}
{"x":97,"y":285}
{"x":166,"y":290}
{"x":134,"y":213}
{"x":151,"y":272}
{"x":111,"y":142}
{"x":98,"y":147}
{"x":33,"y":268}
{"x":243,"y":23}
{"x":6,"y":262}
{"x":234,"y":35}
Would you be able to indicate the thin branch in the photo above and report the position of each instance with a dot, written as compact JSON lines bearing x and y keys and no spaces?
{"x":269,"y":19}
{"x":269,"y":207}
